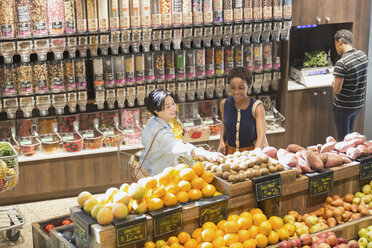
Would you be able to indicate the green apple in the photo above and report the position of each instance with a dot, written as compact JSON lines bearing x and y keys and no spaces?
{"x":356,"y":200}
{"x":369,"y":228}
{"x":369,"y":236}
{"x":363,"y":233}
{"x":358,"y":194}
{"x":289,"y":219}
{"x":369,"y":245}
{"x":362,"y":242}
{"x":370,"y":183}
{"x":366,"y":189}
{"x":311,"y":220}
{"x":370,"y":204}
{"x":302,"y":230}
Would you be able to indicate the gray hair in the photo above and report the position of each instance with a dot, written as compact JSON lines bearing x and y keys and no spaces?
{"x":344,"y":35}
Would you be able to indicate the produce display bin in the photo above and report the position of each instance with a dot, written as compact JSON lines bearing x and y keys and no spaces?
{"x":56,"y":238}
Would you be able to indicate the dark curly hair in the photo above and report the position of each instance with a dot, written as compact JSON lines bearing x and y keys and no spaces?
{"x":240,"y":72}
{"x":344,"y":36}
{"x":155,"y":100}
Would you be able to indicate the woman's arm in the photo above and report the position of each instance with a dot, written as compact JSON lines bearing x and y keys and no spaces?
{"x":260,"y":126}
{"x":221,"y":146}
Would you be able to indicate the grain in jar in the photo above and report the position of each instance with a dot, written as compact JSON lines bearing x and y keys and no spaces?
{"x":129,"y":69}
{"x":177,"y":13}
{"x":238,"y":11}
{"x":135,"y":14}
{"x":24,"y":79}
{"x":39,"y":11}
{"x":156,"y":13}
{"x":197,"y":11}
{"x":70,"y":16}
{"x":190,"y":63}
{"x":81,"y":15}
{"x":23,"y":13}
{"x":149,"y":67}
{"x":248,"y":10}
{"x":159,"y":65}
{"x":103,"y":18}
{"x":7,"y":19}
{"x":124,"y":14}
{"x":170,"y":74}
{"x":218,"y":11}
{"x":257,"y":10}
{"x":92,"y":15}
{"x":108,"y":72}
{"x":80,"y":74}
{"x":209,"y":61}
{"x":267,"y":10}
{"x":9,"y":83}
{"x":55,"y":76}
{"x":277,"y":9}
{"x":166,"y":13}
{"x":119,"y":70}
{"x":228,"y":11}
{"x":98,"y":73}
{"x":40,"y":77}
{"x":69,"y":70}
{"x":187,"y":12}
{"x":139,"y":63}
{"x":287,"y":9}
{"x":180,"y":64}
{"x":145,"y":13}
{"x":56,"y":17}
{"x":114,"y":15}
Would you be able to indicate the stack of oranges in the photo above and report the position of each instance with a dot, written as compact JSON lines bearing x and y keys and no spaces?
{"x":248,"y":230}
{"x":178,"y":184}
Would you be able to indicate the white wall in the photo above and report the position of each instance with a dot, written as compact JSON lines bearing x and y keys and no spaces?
{"x":368,"y":107}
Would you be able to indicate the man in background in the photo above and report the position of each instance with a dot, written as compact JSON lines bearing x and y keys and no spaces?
{"x":350,"y":82}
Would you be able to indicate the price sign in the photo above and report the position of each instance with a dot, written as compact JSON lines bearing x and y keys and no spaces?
{"x":82,"y":223}
{"x":365,"y":167}
{"x":212,"y":209}
{"x":320,"y":183}
{"x":268,"y":187}
{"x":167,"y":220}
{"x":132,"y":229}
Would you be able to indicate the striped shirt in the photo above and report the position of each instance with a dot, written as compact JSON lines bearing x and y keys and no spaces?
{"x":352,"y":67}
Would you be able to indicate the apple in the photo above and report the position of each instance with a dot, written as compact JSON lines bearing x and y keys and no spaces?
{"x":289,"y":219}
{"x":358,"y":194}
{"x":315,"y":239}
{"x":353,"y":244}
{"x":369,"y":236}
{"x":306,"y":239}
{"x":369,"y":228}
{"x":370,"y":183}
{"x":363,"y":242}
{"x":331,"y":233}
{"x":366,"y":189}
{"x":312,"y":220}
{"x":323,"y":240}
{"x":367,"y":199}
{"x":295,"y":242}
{"x":323,"y":235}
{"x":285,"y":244}
{"x":342,"y":240}
{"x":342,"y":246}
{"x":306,"y":246}
{"x":324,"y":245}
{"x":302,"y":230}
{"x":363,"y":233}
{"x":369,"y":245}
{"x":356,"y":200}
{"x":332,"y":240}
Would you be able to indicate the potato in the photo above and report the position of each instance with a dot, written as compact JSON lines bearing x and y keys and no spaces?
{"x":219,"y":173}
{"x":232,"y":178}
{"x":232,"y":172}
{"x":257,"y":173}
{"x":258,"y":160}
{"x":272,"y":169}
{"x":235,"y":167}
{"x":279,"y":167}
{"x":241,"y":177}
{"x":249,"y":173}
{"x":244,"y":165}
{"x":264,"y":158}
{"x":214,"y":168}
{"x":264,"y":171}
{"x":225,"y":175}
{"x":263,"y":165}
{"x":208,"y":166}
{"x":250,"y":163}
{"x":225,"y":167}
{"x":256,"y":167}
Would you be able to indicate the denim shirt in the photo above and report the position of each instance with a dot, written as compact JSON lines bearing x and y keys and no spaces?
{"x":165,"y":149}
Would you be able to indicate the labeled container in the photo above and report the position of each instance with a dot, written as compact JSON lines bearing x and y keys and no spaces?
{"x":187,"y":12}
{"x":132,"y":136}
{"x":51,"y":143}
{"x":209,"y":61}
{"x":29,"y":145}
{"x":40,"y":77}
{"x":9,"y":81}
{"x":69,"y":71}
{"x":248,"y":11}
{"x":114,"y":15}
{"x":228,"y":57}
{"x":7,"y":19}
{"x":87,"y":121}
{"x":81,"y":81}
{"x":39,"y":18}
{"x":287,"y":10}
{"x":214,"y":125}
{"x":81,"y":15}
{"x":93,"y":139}
{"x":72,"y":142}
{"x":119,"y":70}
{"x":55,"y":76}
{"x":267,"y":56}
{"x":219,"y":59}
{"x":197,"y":12}
{"x":248,"y":56}
{"x":103,"y":15}
{"x":23,"y":13}
{"x":149,"y":67}
{"x":129,"y":69}
{"x":98,"y":73}
{"x":238,"y":11}
{"x":111,"y":137}
{"x":166,"y":13}
{"x":139,"y":63}
{"x":190,"y":63}
{"x":218,"y":11}
{"x":92,"y":15}
{"x":135,"y":14}
{"x":277,"y":9}
{"x":257,"y":57}
{"x":107,"y":119}
{"x":70,"y":23}
{"x":257,"y":10}
{"x":200,"y":62}
{"x":56,"y":17}
{"x":24,"y":79}
{"x":108,"y":72}
{"x":267,"y":10}
{"x":146,"y":13}
{"x":208,"y":12}
{"x":228,"y":11}
{"x":159,"y":65}
{"x":276,"y":55}
{"x":45,"y":125}
{"x":177,"y":13}
{"x":180,"y":64}
{"x":66,"y":123}
{"x":238,"y":53}
{"x":124,"y":14}
{"x":170,"y":73}
{"x":194,"y":130}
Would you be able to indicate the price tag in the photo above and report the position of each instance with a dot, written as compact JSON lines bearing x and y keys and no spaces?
{"x":167,"y":220}
{"x":268,"y":187}
{"x":132,"y":229}
{"x":212,"y":209}
{"x":88,"y":134}
{"x":128,"y":130}
{"x":47,"y":139}
{"x":365,"y":167}
{"x":25,"y":142}
{"x":82,"y":223}
{"x":109,"y":132}
{"x":208,"y":122}
{"x":188,"y":124}
{"x":320,"y":183}
{"x":68,"y":137}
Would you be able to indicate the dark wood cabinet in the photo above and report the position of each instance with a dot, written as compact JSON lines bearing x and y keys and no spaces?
{"x":309,"y":116}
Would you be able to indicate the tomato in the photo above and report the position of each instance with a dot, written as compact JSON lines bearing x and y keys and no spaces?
{"x":66,"y":222}
{"x":48,"y":227}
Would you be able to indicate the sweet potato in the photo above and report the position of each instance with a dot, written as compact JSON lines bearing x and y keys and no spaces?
{"x":305,"y":167}
{"x":290,"y":160}
{"x":333,"y":160}
{"x":281,"y":153}
{"x":294,"y":148}
{"x":330,"y":139}
{"x":299,"y":154}
{"x":324,"y":157}
{"x":314,"y":160}
{"x":355,"y":216}
{"x":345,"y":159}
{"x":363,"y":150}
{"x":331,"y":222}
{"x":343,"y":146}
{"x":337,"y":203}
{"x":354,"y":135}
{"x":327,"y":147}
{"x":270,"y":151}
{"x":311,"y":148}
{"x":353,"y":153}
{"x":346,"y":216}
{"x":298,"y":170}
{"x":319,"y":147}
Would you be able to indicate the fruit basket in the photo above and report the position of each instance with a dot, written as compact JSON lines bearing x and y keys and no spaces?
{"x":72,"y":142}
{"x":29,"y":145}
{"x":51,"y":143}
{"x":93,"y":139}
{"x":9,"y":170}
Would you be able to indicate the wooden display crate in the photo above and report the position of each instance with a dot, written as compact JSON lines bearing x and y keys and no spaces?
{"x":56,"y":238}
{"x":40,"y":237}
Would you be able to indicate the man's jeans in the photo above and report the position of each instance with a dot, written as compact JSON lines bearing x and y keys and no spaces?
{"x":344,"y":120}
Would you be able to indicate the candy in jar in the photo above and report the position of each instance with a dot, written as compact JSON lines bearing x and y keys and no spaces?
{"x":219,"y":60}
{"x":228,"y":58}
{"x":209,"y":61}
{"x":23,"y":12}
{"x":119,"y":70}
{"x":39,"y":11}
{"x":257,"y":57}
{"x":92,"y":15}
{"x":248,"y":10}
{"x":80,"y":73}
{"x":103,"y":18}
{"x":55,"y":76}
{"x":248,"y":57}
{"x":56,"y":17}
{"x":66,"y":123}
{"x":267,"y":56}
{"x":169,"y":65}
{"x":159,"y":65}
{"x":70,"y":16}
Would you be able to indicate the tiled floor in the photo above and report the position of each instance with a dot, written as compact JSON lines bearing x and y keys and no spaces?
{"x":34,"y":212}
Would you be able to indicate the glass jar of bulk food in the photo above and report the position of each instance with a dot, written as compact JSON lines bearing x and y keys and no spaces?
{"x":92,"y":15}
{"x":7,"y":19}
{"x":129,"y":69}
{"x":9,"y":82}
{"x":108,"y":72}
{"x":23,"y":13}
{"x":98,"y":73}
{"x":119,"y":70}
{"x":70,"y":23}
{"x":55,"y":76}
{"x":56,"y":17}
{"x":40,"y":77}
{"x":81,"y":16}
{"x":39,"y":13}
{"x":69,"y":70}
{"x":81,"y":81}
{"x":24,"y":79}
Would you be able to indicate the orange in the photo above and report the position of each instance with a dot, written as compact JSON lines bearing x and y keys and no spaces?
{"x":175,"y":245}
{"x":182,"y":197}
{"x":218,"y":242}
{"x":187,"y":174}
{"x":259,"y":218}
{"x":198,"y":168}
{"x":176,"y":179}
{"x":231,"y":226}
{"x":173,"y":239}
{"x":283,"y":234}
{"x":276,"y":222}
{"x":160,"y":243}
{"x":192,"y":243}
{"x":171,"y":171}
{"x":250,"y":243}
{"x":197,"y":183}
{"x":165,"y":246}
{"x":155,"y":204}
{"x":261,"y":240}
{"x":273,"y":238}
{"x":254,"y":211}
{"x":233,"y":217}
{"x":208,"y":190}
{"x":183,"y":237}
{"x":150,"y":183}
{"x":163,"y":178}
{"x":221,"y":224}
{"x":208,"y":235}
{"x":244,"y":235}
{"x":219,"y":233}
{"x":265,"y":228}
{"x":196,"y":233}
{"x":195,"y":194}
{"x":172,"y":188}
{"x":231,"y":238}
{"x":245,"y":223}
{"x":184,"y":185}
{"x":207,"y":176}
{"x":290,"y":228}
{"x":160,"y":191}
{"x":170,"y":199}
{"x":237,"y":245}
{"x":206,"y":245}
{"x":209,"y":225}
{"x":179,"y":167}
{"x":246,"y":215}
{"x":149,"y":245}
{"x":253,"y":231}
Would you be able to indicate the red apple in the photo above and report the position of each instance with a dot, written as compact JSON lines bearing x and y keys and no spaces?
{"x":306,"y":239}
{"x":315,"y":239}
{"x":331,"y":233}
{"x":342,"y":240}
{"x":353,"y":244}
{"x":323,"y":235}
{"x":324,"y":245}
{"x":285,"y":244}
{"x":295,"y":242}
{"x":332,"y":240}
{"x":342,"y":246}
{"x":306,"y":246}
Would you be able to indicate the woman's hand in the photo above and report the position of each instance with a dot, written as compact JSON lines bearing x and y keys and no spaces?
{"x":210,"y":156}
{"x":221,"y":147}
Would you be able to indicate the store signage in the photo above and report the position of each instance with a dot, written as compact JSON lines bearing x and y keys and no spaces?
{"x":365,"y":167}
{"x":167,"y":220}
{"x":82,"y":223}
{"x":268,"y":187}
{"x":130,"y":230}
{"x":320,"y":182}
{"x":212,"y":209}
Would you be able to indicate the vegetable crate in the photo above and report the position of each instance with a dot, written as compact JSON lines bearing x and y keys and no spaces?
{"x":56,"y":238}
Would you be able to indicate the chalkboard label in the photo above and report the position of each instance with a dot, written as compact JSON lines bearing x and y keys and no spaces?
{"x":167,"y":220}
{"x":132,"y":229}
{"x":320,"y":182}
{"x":212,"y":209}
{"x":268,"y":187}
{"x":365,"y":167}
{"x":82,"y":223}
